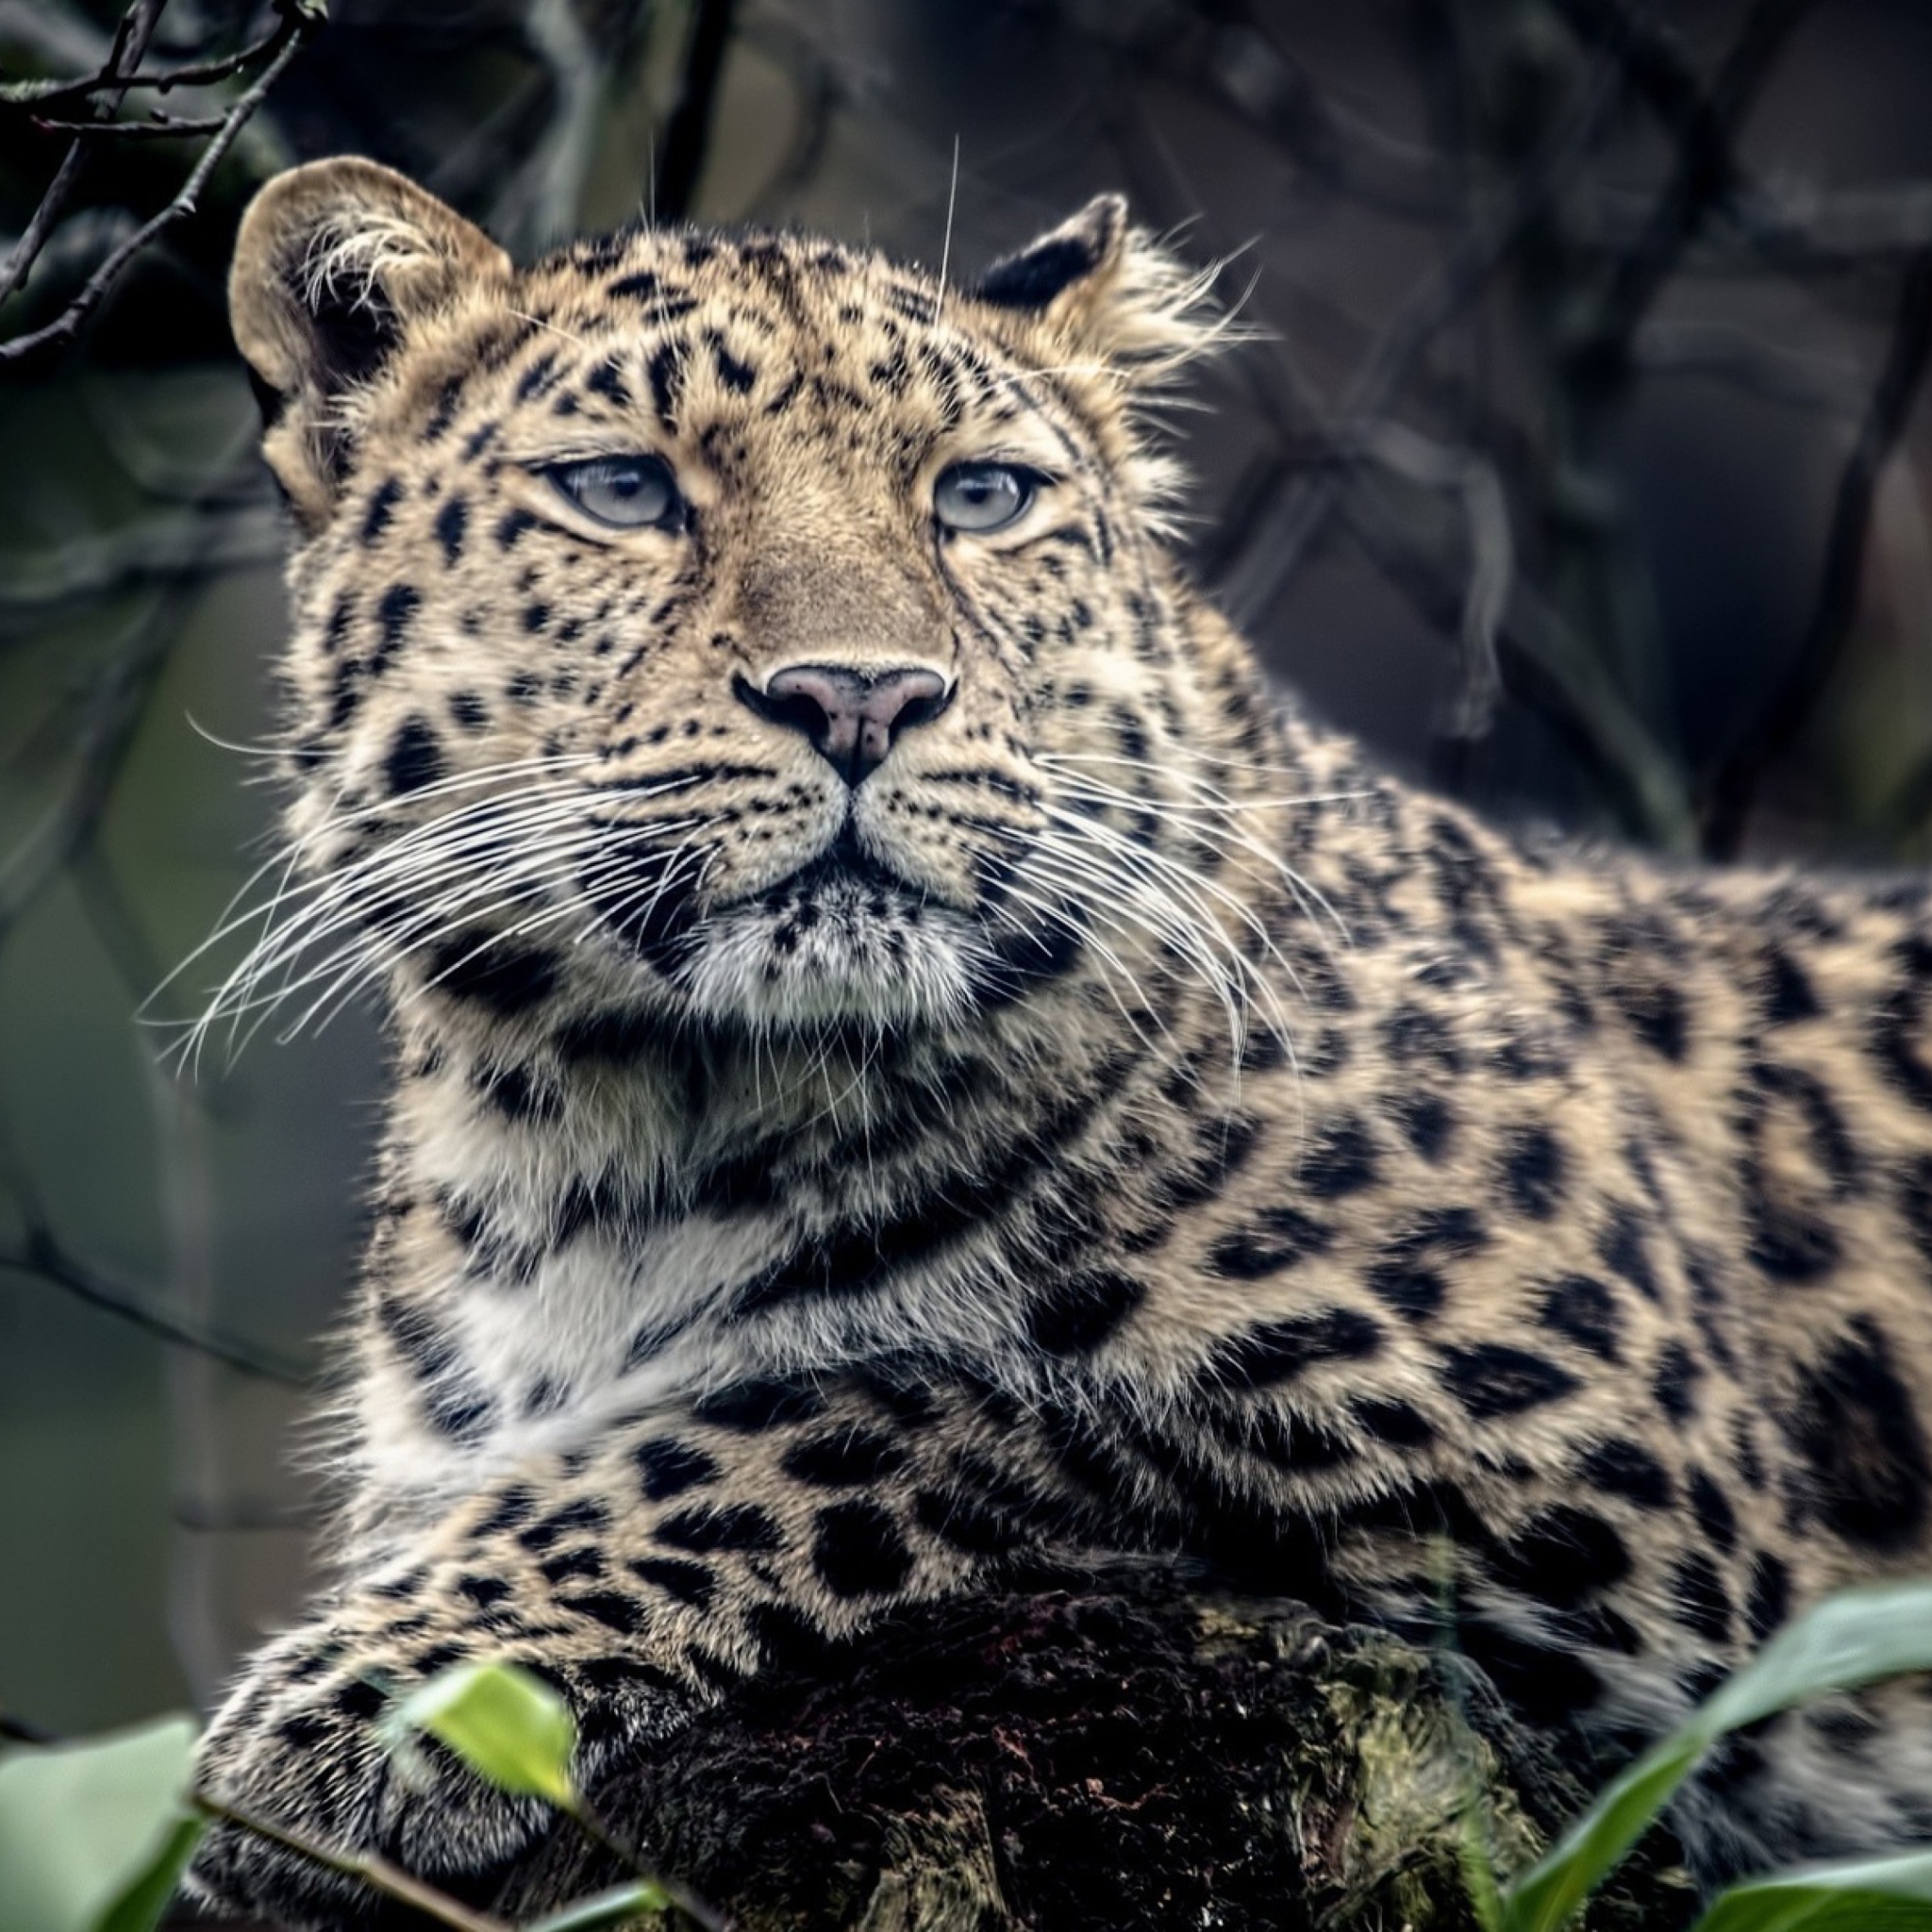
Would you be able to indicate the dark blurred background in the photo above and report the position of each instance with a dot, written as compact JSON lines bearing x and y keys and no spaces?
{"x":1576,"y":467}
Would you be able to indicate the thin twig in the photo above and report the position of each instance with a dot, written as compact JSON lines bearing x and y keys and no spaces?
{"x":681,"y":1896}
{"x":1791,"y":232}
{"x":300,"y":19}
{"x":1837,"y":601}
{"x":162,"y":127}
{"x":1553,"y":672}
{"x":182,"y":546}
{"x":1440,"y":296}
{"x":540,"y":204}
{"x":1722,"y":352}
{"x":41,"y":1255}
{"x":130,"y":43}
{"x":1704,"y":173}
{"x":1241,"y":66}
{"x":194,"y":73}
{"x":97,"y":743}
{"x":376,"y":1873}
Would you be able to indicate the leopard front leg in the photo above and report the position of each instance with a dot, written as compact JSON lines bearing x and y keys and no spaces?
{"x":642,"y":1577}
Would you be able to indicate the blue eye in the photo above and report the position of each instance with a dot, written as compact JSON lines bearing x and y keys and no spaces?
{"x":627,"y":492}
{"x":978,"y":497}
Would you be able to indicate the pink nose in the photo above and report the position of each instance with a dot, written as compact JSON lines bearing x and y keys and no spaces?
{"x":851,"y":716}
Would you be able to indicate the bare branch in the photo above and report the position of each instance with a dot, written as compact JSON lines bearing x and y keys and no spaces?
{"x":41,"y":1256}
{"x":539,"y":208}
{"x":99,"y":740}
{"x":376,"y":1873}
{"x":1836,"y":602}
{"x":1704,"y":175}
{"x":180,"y":547}
{"x":299,"y":20}
{"x":1492,"y":558}
{"x":1443,"y":295}
{"x":1722,"y":352}
{"x":1553,"y":671}
{"x":194,"y":73}
{"x":159,"y":127}
{"x":1240,"y":67}
{"x":130,"y":43}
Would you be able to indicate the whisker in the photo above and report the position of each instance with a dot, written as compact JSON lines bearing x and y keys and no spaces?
{"x":499,"y":851}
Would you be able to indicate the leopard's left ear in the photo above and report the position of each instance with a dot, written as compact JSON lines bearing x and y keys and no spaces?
{"x":1112,"y":292}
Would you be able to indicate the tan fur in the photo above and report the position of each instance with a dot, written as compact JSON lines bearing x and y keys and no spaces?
{"x":1126,"y":1123}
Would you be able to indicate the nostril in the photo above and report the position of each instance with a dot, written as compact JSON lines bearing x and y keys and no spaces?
{"x":798,"y":709}
{"x":851,"y":716}
{"x":907,"y":698}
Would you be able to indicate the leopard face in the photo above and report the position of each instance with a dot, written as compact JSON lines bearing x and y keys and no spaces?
{"x":737,"y":625}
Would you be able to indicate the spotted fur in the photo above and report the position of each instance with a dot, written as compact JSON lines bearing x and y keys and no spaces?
{"x":1125,"y":1122}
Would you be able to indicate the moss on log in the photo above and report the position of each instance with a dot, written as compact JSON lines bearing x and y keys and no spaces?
{"x":1130,"y":1755}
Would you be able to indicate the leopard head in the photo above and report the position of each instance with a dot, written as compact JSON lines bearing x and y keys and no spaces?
{"x":743,"y":623}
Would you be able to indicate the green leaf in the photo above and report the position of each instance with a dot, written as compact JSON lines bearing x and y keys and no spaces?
{"x":146,"y":1897}
{"x":1848,"y":1639}
{"x":606,"y":1908}
{"x":1851,"y":1638}
{"x":94,"y":1836}
{"x":1872,"y":1895}
{"x":505,"y":1724}
{"x":1551,"y":1890}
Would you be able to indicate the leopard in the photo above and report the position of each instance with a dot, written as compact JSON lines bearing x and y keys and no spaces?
{"x":915,"y":1065}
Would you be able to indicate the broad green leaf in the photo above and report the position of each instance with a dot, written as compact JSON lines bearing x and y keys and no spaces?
{"x":505,"y":1724}
{"x":1855,"y":1637}
{"x":90,"y":1832}
{"x":1848,"y":1639}
{"x":615,"y":1907}
{"x":1553,"y":1889}
{"x":1871,"y":1895}
{"x":147,"y":1896}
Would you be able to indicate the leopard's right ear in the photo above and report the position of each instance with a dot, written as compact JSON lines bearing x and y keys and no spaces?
{"x":336,"y":262}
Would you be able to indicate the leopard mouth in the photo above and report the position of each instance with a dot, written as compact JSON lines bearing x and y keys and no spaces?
{"x":842,"y":870}
{"x":844,"y":936}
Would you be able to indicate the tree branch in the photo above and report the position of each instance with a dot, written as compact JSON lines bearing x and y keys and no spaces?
{"x":159,"y":127}
{"x":1277,"y":552}
{"x":41,"y":1254}
{"x":366,"y":1868}
{"x":1704,"y":174}
{"x":194,"y":73}
{"x":1836,"y":602}
{"x":299,"y":20}
{"x":681,"y":159}
{"x":130,"y":43}
{"x":181,"y":547}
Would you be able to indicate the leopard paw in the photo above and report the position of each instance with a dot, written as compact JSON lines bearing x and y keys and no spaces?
{"x":300,"y":1745}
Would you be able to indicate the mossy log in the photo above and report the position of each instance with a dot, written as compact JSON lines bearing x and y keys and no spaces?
{"x":1124,"y":1756}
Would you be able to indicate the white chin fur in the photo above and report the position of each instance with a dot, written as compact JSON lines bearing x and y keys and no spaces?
{"x":850,"y":957}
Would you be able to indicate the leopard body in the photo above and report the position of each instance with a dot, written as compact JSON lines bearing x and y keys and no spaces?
{"x":1126,"y":1125}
